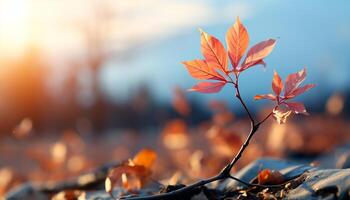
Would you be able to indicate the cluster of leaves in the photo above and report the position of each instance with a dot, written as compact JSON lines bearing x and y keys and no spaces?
{"x":132,"y":174}
{"x":215,"y":67}
{"x":292,"y":89}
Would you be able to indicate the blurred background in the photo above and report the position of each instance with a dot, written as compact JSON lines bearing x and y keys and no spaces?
{"x":80,"y":72}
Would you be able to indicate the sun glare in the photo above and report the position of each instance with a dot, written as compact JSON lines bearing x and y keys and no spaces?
{"x":14,"y":26}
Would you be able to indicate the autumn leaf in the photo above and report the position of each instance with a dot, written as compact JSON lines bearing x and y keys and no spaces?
{"x":145,"y":157}
{"x":257,"y":53}
{"x":291,"y":90}
{"x":132,"y":174}
{"x":180,"y":102}
{"x":138,"y":176}
{"x":208,"y":87}
{"x":237,"y":40}
{"x":200,"y":69}
{"x":69,"y":195}
{"x":270,"y":177}
{"x":277,"y":84}
{"x":265,"y":96}
{"x":281,"y":116}
{"x":293,"y":81}
{"x":175,"y":134}
{"x":214,"y":52}
{"x":296,"y":107}
{"x":300,"y":90}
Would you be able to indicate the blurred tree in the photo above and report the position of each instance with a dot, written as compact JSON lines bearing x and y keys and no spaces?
{"x":96,"y":32}
{"x":22,"y":90}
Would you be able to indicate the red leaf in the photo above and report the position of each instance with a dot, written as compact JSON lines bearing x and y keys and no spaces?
{"x":296,"y":107}
{"x":237,"y":40}
{"x":293,"y":81}
{"x":208,"y":87}
{"x":271,"y":177}
{"x":199,"y":69}
{"x":214,"y":52}
{"x":300,"y":90}
{"x":277,"y":84}
{"x":265,"y":96}
{"x":257,"y":53}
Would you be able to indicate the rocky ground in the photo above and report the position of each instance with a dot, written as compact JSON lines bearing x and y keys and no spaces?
{"x":328,"y":179}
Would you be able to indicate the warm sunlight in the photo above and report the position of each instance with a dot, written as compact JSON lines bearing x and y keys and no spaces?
{"x":14,"y":26}
{"x":101,"y":99}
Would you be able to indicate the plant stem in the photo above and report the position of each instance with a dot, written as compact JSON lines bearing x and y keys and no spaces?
{"x":239,"y":97}
{"x":171,"y":195}
{"x":253,"y":130}
{"x":226,"y":172}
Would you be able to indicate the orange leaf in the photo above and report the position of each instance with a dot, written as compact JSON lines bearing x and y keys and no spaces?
{"x":237,"y":40}
{"x":133,"y":174}
{"x":174,"y":134}
{"x":199,"y":69}
{"x":277,"y":84}
{"x":214,"y":52}
{"x":257,"y":53}
{"x":180,"y":102}
{"x":137,"y":174}
{"x":293,"y":81}
{"x":281,"y":116}
{"x":300,"y":90}
{"x":145,"y":157}
{"x":208,"y":87}
{"x":270,"y":177}
{"x":296,"y":107}
{"x":265,"y":96}
{"x":69,"y":195}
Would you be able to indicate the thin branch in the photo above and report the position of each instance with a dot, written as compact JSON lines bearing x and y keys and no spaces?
{"x":241,"y":181}
{"x":238,"y":95}
{"x":171,"y":195}
{"x":267,"y":116}
{"x":225,"y":173}
{"x":258,"y":185}
{"x":253,"y":129}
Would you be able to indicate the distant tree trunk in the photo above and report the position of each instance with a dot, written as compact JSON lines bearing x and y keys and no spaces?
{"x":99,"y":107}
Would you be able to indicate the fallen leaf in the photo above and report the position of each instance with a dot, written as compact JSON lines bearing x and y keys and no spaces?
{"x":174,"y":134}
{"x":180,"y":102}
{"x":145,"y":157}
{"x":270,"y":177}
{"x":134,"y":174}
{"x":69,"y":195}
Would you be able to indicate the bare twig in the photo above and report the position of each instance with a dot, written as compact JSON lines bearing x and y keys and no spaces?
{"x":189,"y":188}
{"x":238,"y":95}
{"x":226,"y":172}
{"x":258,"y":185}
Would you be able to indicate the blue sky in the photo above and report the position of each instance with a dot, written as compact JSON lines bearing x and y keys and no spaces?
{"x":316,"y":36}
{"x":312,"y":34}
